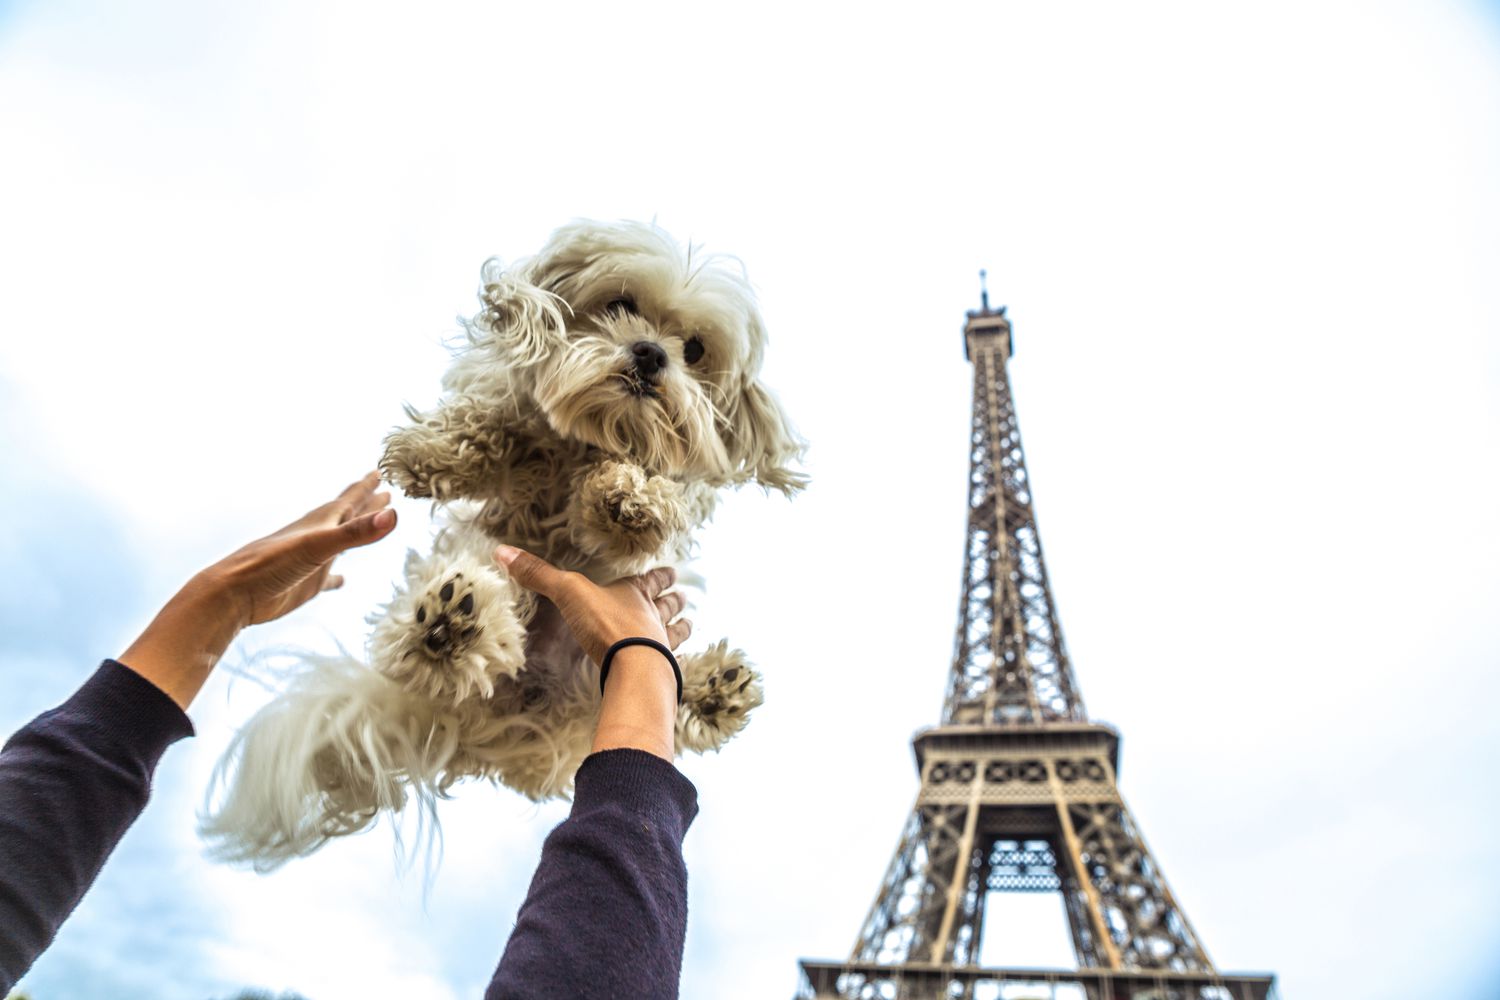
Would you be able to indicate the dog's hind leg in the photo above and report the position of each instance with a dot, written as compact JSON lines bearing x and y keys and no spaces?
{"x":719,"y":690}
{"x":345,"y":743}
{"x":456,"y":628}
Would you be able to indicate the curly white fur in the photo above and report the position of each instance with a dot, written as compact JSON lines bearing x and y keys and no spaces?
{"x":603,"y":395}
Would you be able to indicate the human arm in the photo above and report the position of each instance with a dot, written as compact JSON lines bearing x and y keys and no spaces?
{"x":72,"y":781}
{"x":606,"y":913}
{"x":75,"y":778}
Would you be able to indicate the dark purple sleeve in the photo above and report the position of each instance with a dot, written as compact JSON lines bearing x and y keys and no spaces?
{"x":71,"y":782}
{"x":607,"y":909}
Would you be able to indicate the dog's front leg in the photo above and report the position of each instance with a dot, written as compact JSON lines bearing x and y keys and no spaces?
{"x":621,"y":516}
{"x":720,"y":688}
{"x":458,"y":449}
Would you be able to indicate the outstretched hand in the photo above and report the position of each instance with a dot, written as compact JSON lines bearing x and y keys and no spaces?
{"x":281,"y":572}
{"x":258,"y":583}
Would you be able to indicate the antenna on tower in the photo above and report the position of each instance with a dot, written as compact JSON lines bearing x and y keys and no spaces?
{"x":984,"y":291}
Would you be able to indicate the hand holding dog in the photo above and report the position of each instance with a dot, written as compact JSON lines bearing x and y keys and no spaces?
{"x":640,"y":699}
{"x":599,"y":616}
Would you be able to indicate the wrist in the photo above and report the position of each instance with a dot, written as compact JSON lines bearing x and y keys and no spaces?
{"x":182,"y":644}
{"x":642,"y":666}
{"x":635,"y":646}
{"x":639,"y":709}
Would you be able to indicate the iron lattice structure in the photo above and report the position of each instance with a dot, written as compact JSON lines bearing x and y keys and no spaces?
{"x":1018,"y":788}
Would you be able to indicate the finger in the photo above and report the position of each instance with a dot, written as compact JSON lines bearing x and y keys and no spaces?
{"x":355,"y":494}
{"x":363,"y":485}
{"x":371,"y":503}
{"x":653,"y":582}
{"x":532,"y":572}
{"x":341,"y":508}
{"x":325,"y":543}
{"x":334,"y":582}
{"x":677,"y":633}
{"x":670,"y":605}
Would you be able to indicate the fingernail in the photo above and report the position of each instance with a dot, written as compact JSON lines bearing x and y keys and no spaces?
{"x":506,"y":554}
{"x":385,"y":519}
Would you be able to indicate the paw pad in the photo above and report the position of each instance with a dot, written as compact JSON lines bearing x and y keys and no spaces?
{"x":452,"y":625}
{"x":724,"y":695}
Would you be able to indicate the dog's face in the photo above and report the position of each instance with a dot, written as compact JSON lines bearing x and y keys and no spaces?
{"x":631,"y":346}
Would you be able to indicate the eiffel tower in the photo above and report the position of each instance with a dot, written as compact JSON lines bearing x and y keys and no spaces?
{"x":1018,"y":788}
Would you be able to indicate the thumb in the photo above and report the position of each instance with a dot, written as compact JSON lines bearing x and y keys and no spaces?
{"x":531,"y":572}
{"x":324,"y":544}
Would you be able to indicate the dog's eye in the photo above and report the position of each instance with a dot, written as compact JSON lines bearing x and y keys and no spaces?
{"x":692,"y":351}
{"x":624,"y":304}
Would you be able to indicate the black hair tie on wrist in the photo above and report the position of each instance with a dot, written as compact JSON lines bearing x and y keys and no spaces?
{"x":639,"y":640}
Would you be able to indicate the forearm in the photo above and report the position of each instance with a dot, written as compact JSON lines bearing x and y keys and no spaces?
{"x":180,"y":647}
{"x":71,"y":783}
{"x":607,"y":910}
{"x":639,"y":710}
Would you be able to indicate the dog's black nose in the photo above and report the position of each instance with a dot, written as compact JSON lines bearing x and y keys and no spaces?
{"x":649,"y":358}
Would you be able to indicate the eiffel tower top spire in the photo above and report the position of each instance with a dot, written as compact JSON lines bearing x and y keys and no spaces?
{"x":1010,"y":666}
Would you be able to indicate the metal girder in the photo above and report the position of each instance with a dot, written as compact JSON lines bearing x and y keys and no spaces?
{"x":983,"y":793}
{"x":925,"y":981}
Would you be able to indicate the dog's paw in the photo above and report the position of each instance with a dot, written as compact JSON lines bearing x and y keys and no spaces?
{"x":452,"y":634}
{"x":622,"y":513}
{"x":448,"y":454}
{"x":402,"y":465}
{"x":411,"y":482}
{"x":720,"y":689}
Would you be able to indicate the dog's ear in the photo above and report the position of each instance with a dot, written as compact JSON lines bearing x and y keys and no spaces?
{"x":524,"y":322}
{"x":761,"y":441}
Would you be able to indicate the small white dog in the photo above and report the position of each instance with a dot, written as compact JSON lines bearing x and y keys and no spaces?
{"x":605,"y":392}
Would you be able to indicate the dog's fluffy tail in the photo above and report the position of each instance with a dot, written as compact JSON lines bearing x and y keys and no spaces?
{"x":340,"y":745}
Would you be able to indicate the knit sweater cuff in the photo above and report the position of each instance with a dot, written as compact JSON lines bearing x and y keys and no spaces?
{"x":636,"y":780}
{"x":128,"y":710}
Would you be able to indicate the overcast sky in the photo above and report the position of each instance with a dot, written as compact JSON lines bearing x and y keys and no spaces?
{"x":1251,"y":258}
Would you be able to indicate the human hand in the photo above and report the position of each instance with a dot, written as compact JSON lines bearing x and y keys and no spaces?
{"x":279,"y":573}
{"x":639,"y":708}
{"x":599,"y":616}
{"x":258,"y":583}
